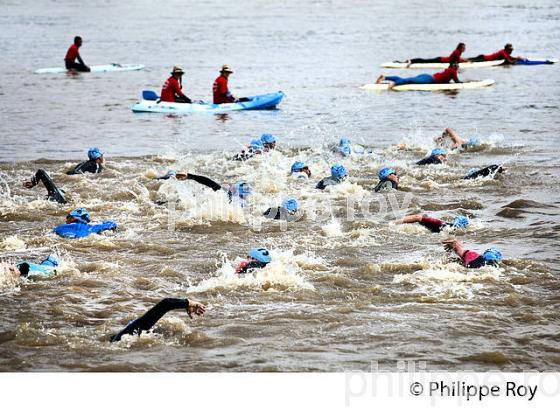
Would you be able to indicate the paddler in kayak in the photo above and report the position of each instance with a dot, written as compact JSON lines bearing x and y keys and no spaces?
{"x":72,"y":54}
{"x":220,"y":89}
{"x":458,"y":143}
{"x":504,"y":54}
{"x":171,"y":90}
{"x":443,"y":77}
{"x":472,"y":259}
{"x":454,"y":57}
{"x":150,"y":318}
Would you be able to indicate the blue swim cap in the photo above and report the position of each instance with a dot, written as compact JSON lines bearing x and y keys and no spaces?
{"x":52,"y":260}
{"x":291,"y":204}
{"x":268,"y":139}
{"x":438,"y":151}
{"x":473,"y":141}
{"x":344,"y":141}
{"x":256,"y":145}
{"x":338,"y":171}
{"x":260,"y":254}
{"x":471,"y":171}
{"x":81,"y":214}
{"x":297,"y":166}
{"x":460,"y":221}
{"x":492,"y":255}
{"x":385,"y":172}
{"x":243,"y":189}
{"x":94,"y":153}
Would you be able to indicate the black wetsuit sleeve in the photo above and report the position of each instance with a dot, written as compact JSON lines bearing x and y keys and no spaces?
{"x":428,"y":161}
{"x":321,"y":184}
{"x":205,"y":181}
{"x":151,"y":317}
{"x":53,"y":192}
{"x":477,"y":263}
{"x":252,"y":265}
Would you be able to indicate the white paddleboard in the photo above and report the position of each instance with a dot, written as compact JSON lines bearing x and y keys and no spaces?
{"x":431,"y":87}
{"x":94,"y":68}
{"x":481,"y":64}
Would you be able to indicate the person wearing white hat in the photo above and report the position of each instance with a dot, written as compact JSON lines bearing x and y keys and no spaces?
{"x":171,"y":90}
{"x":220,"y":89}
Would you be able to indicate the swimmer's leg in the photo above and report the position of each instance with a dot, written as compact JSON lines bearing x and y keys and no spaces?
{"x":54,"y":193}
{"x":151,"y":317}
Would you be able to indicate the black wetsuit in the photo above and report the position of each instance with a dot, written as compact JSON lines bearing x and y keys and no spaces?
{"x":281,"y":213}
{"x":72,"y":65}
{"x":386,"y":184}
{"x":251,"y":266}
{"x":244,"y":155}
{"x":425,"y":60}
{"x":484,"y":172}
{"x":53,"y":192}
{"x":151,"y":317}
{"x":213,"y":185}
{"x":86,"y":166}
{"x":325,"y":182}
{"x":430,"y":160}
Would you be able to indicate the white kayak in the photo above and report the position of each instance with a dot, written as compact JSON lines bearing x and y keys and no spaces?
{"x":481,"y":64}
{"x":150,"y":103}
{"x":94,"y":68}
{"x":431,"y":87}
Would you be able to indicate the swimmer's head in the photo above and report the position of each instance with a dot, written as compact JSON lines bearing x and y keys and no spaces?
{"x":242,"y":189}
{"x":492,"y":255}
{"x":256,"y":145}
{"x":261,"y":255}
{"x":299,"y":166}
{"x":460,"y":222}
{"x":94,"y":154}
{"x":291,"y":204}
{"x":268,"y":140}
{"x":439,"y":153}
{"x":344,"y":147}
{"x":78,"y":215}
{"x":384,"y":173}
{"x":338,"y":171}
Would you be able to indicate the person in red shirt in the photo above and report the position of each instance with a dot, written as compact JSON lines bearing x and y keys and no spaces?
{"x":455,"y":56}
{"x":171,"y":90}
{"x":220,"y":87}
{"x":445,"y":76}
{"x":504,"y":54}
{"x":72,"y":54}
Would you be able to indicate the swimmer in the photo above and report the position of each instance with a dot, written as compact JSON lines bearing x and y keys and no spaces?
{"x":346,"y":148}
{"x":54,"y":193}
{"x":257,"y":258}
{"x":46,"y":268}
{"x":94,"y":164}
{"x":300,"y":170}
{"x":240,"y":190}
{"x":338,"y":175}
{"x":78,"y":225}
{"x":150,"y":318}
{"x":472,"y":259}
{"x":458,"y":143}
{"x":289,"y":211}
{"x":492,"y":171}
{"x":388,"y":179}
{"x":437,"y":156}
{"x":434,"y":224}
{"x":268,"y":141}
{"x":256,"y":147}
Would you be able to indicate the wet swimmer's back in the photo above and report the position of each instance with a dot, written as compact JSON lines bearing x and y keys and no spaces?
{"x":435,"y":224}
{"x":388,"y":180}
{"x":338,"y":175}
{"x":289,"y":211}
{"x":437,"y":156}
{"x":489,"y":171}
{"x":472,"y":259}
{"x":78,"y":225}
{"x":151,"y":317}
{"x":94,"y":164}
{"x":46,"y":268}
{"x":257,"y":258}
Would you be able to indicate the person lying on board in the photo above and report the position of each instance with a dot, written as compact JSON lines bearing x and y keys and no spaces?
{"x":458,"y":143}
{"x":72,"y":54}
{"x":172,"y":88}
{"x":454,"y":57}
{"x":443,"y":77}
{"x":504,"y":54}
{"x":435,"y":224}
{"x":150,"y":318}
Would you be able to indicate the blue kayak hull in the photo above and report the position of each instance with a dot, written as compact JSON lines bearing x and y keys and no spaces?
{"x":535,"y":62}
{"x":257,"y":102}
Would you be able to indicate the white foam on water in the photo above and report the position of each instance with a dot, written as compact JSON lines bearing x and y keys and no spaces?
{"x":332,"y":229}
{"x":12,"y":243}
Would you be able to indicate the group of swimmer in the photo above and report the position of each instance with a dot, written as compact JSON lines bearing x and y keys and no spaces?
{"x":78,"y":221}
{"x":172,"y":89}
{"x":451,"y":72}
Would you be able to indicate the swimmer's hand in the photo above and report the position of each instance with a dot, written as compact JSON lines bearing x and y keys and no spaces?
{"x":196,"y":308}
{"x":449,"y":244}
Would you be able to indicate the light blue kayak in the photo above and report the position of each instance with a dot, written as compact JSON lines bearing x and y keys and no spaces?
{"x":151,"y":103}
